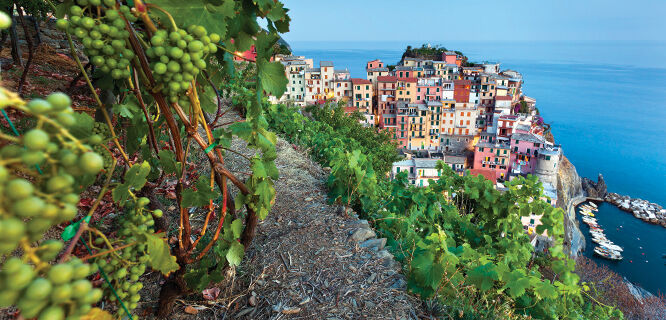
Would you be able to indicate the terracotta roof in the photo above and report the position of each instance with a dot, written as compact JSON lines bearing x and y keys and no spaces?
{"x":360,"y":81}
{"x":503,"y":98}
{"x":407,"y":79}
{"x":387,"y":78}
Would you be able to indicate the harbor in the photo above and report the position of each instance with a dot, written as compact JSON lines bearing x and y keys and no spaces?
{"x":604,"y":248}
{"x":643,"y":256}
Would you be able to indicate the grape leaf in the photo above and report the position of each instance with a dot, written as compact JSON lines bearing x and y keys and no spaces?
{"x":83,"y":126}
{"x":235,"y":253}
{"x":272,"y":77}
{"x":198,"y":12}
{"x":545,"y":290}
{"x":237,"y":228}
{"x":201,"y":196}
{"x":160,"y":254}
{"x":483,"y":277}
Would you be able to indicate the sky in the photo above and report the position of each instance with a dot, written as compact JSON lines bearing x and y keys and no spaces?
{"x":476,"y":20}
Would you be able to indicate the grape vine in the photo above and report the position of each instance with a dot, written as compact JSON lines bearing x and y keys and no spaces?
{"x":461,"y":240}
{"x":156,"y":69}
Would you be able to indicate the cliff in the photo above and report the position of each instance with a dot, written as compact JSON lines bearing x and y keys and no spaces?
{"x":595,"y":189}
{"x":569,"y":194}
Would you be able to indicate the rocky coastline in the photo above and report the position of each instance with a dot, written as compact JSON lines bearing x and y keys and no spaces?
{"x":570,"y":194}
{"x":641,"y":209}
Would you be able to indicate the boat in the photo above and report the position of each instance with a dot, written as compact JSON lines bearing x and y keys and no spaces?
{"x":589,"y":208}
{"x":609,"y":245}
{"x":611,"y":255}
{"x":592,"y":204}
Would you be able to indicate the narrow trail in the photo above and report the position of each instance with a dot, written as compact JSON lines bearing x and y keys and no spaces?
{"x":309,"y":261}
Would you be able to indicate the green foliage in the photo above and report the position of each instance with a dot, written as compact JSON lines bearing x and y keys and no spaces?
{"x":458,"y":236}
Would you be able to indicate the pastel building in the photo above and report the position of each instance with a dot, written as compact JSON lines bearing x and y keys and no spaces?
{"x":419,"y":171}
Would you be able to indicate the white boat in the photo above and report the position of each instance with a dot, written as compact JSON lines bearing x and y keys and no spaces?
{"x":609,"y":245}
{"x":592,"y":204}
{"x":611,"y":255}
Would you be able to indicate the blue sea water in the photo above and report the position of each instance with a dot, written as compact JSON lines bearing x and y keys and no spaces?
{"x":606,"y":102}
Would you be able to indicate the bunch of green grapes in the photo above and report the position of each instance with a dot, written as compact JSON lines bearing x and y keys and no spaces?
{"x":126,"y":266}
{"x":33,"y":202}
{"x":38,"y":174}
{"x":101,"y":135}
{"x":62,"y":291}
{"x":104,"y":37}
{"x":178,"y":56}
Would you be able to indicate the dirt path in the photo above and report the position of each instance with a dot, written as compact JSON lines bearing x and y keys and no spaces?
{"x":308,"y":261}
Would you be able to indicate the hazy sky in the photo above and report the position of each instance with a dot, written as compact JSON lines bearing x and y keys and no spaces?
{"x":431,"y":20}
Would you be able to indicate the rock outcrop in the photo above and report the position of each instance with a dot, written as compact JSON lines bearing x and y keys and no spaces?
{"x":595,"y":189}
{"x":569,"y":195}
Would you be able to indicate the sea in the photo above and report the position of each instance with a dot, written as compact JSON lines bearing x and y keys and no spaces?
{"x":606,"y":103}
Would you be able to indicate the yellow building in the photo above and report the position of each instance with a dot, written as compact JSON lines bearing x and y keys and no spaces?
{"x":406,"y":90}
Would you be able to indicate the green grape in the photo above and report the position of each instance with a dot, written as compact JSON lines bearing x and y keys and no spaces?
{"x":70,"y":198}
{"x":91,"y":162}
{"x":95,"y":2}
{"x":67,"y":158}
{"x":32,"y":158}
{"x":81,"y":271}
{"x":164,"y":59}
{"x":31,"y":308}
{"x":21,"y":278}
{"x":4,"y":173}
{"x":13,"y":229}
{"x":52,"y":313}
{"x":39,"y":106}
{"x":160,"y":68}
{"x":66,"y":119}
{"x":108,"y":50}
{"x":62,"y":24}
{"x":49,"y":249}
{"x":28,"y":207}
{"x":19,"y":189}
{"x":104,"y":28}
{"x":87,"y":22}
{"x":39,"y":289}
{"x":80,"y":33}
{"x":68,"y":212}
{"x":80,"y":288}
{"x":36,"y":139}
{"x":8,"y":298}
{"x":75,"y":11}
{"x":50,"y":211}
{"x":61,"y":273}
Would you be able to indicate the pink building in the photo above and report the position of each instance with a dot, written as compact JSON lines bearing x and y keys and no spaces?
{"x":524,"y":151}
{"x":492,"y":158}
{"x":374,"y":64}
{"x":428,"y":89}
{"x":450,"y":57}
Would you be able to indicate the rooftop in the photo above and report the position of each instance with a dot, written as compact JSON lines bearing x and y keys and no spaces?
{"x":529,"y":137}
{"x":377,"y":69}
{"x":360,"y":81}
{"x":503,"y":98}
{"x":326,"y":63}
{"x":387,"y":78}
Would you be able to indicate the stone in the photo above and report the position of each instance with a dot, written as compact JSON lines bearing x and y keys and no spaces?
{"x":374,"y":244}
{"x":371,"y":278}
{"x":362,"y":234}
{"x":252,"y":301}
{"x":383,"y":254}
{"x":399,"y":284}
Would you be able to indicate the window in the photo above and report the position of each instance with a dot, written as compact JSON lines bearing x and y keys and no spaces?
{"x":531,"y":221}
{"x":367,"y":87}
{"x":398,"y":170}
{"x":547,"y":157}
